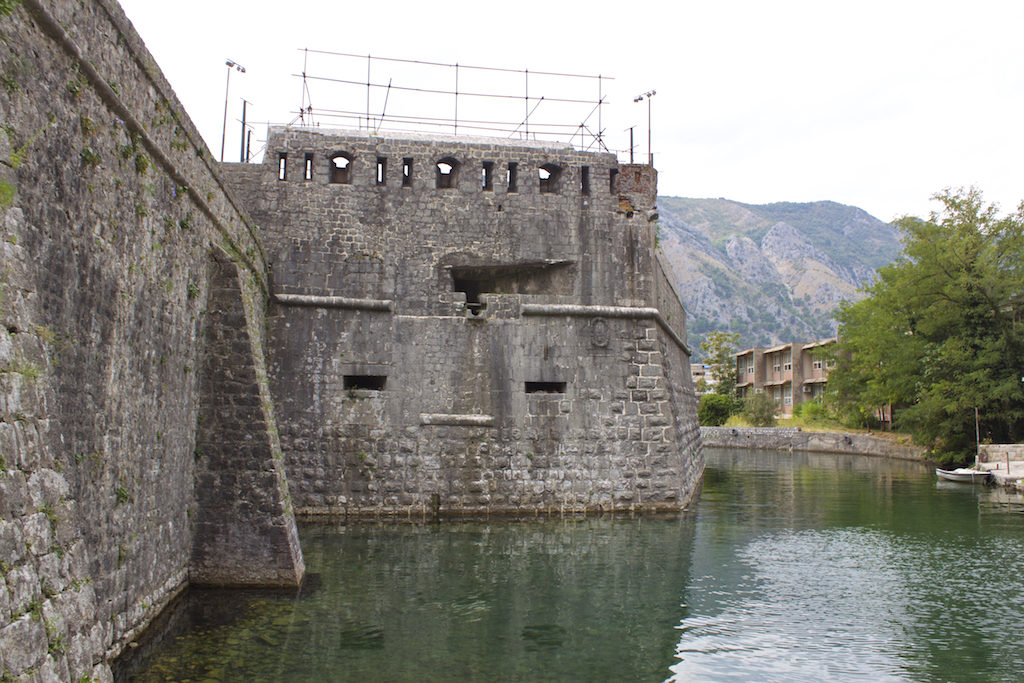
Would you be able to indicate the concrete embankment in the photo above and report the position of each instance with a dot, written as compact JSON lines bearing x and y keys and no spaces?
{"x":794,"y":438}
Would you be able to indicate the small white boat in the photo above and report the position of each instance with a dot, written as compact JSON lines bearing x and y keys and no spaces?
{"x":964,"y":474}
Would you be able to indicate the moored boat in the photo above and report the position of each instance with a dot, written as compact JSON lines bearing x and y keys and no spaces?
{"x":964,"y":474}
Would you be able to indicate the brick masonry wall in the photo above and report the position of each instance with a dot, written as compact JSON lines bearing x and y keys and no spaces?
{"x":453,"y":430}
{"x":110,"y":208}
{"x":794,"y":438}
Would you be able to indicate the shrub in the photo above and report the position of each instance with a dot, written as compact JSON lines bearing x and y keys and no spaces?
{"x":759,"y":410}
{"x":714,"y":410}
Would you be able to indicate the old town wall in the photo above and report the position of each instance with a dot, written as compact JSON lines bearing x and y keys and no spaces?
{"x":137,"y":442}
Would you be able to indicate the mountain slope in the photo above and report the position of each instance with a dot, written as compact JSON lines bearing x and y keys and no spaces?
{"x":773,"y":272}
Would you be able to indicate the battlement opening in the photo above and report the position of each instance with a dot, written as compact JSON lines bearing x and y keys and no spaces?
{"x":365,"y":382}
{"x":487,"y":176}
{"x":341,"y":169}
{"x":472,"y":287}
{"x":447,"y":173}
{"x":549,"y":174}
{"x":545,"y":387}
{"x":407,"y":172}
{"x":613,"y":176}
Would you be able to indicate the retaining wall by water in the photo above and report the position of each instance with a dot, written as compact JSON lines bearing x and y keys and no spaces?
{"x":138,"y":447}
{"x":794,"y":438}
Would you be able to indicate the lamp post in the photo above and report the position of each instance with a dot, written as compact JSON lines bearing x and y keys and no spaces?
{"x":224,"y":129}
{"x":648,"y":95}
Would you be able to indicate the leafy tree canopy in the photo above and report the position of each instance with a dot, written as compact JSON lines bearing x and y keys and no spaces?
{"x":718,"y":349}
{"x":940,"y":331}
{"x":714,"y":410}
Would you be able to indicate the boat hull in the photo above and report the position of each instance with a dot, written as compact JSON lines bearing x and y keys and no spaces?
{"x":964,"y":475}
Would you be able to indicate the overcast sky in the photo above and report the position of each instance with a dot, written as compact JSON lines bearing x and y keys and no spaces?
{"x":873,"y":104}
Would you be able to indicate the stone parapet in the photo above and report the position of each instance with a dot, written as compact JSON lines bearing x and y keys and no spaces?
{"x":794,"y":438}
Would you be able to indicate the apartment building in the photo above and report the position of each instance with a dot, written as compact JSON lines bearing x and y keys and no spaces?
{"x":790,"y":373}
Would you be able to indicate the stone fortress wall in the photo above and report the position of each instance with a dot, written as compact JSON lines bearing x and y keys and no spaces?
{"x":473,"y":342}
{"x":137,"y":443}
{"x":416,"y":350}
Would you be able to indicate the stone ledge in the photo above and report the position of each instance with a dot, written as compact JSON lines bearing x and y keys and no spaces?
{"x":316,"y":301}
{"x":594,"y":311}
{"x":456,"y":420}
{"x":794,"y":438}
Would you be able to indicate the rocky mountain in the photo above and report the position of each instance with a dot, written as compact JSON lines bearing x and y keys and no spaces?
{"x":772,"y":272}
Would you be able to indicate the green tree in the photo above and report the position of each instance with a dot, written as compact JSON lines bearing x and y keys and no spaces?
{"x":719,"y":349}
{"x":759,"y":410}
{"x":939,"y":333}
{"x":714,"y":409}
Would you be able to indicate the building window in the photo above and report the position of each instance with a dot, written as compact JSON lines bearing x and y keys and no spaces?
{"x":787,"y":395}
{"x":585,"y":180}
{"x":307,"y":173}
{"x":816,"y":364}
{"x":282,"y":166}
{"x":382,"y":170}
{"x":787,"y":361}
{"x":513,"y":177}
{"x":613,"y":176}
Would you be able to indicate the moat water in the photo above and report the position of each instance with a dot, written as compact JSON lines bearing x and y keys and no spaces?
{"x":790,"y":567}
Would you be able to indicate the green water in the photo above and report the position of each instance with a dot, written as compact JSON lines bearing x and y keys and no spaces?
{"x":790,"y":567}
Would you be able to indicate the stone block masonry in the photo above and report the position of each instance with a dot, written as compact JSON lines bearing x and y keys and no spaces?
{"x":470,"y":326}
{"x":117,"y":240}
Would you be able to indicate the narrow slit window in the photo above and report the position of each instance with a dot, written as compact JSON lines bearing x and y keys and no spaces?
{"x":382,"y":170}
{"x":282,"y":166}
{"x":365,"y":382}
{"x":613,"y":175}
{"x":513,"y":172}
{"x":487,"y":176}
{"x":585,"y":180}
{"x":407,"y":172}
{"x":308,"y":174}
{"x":545,"y":387}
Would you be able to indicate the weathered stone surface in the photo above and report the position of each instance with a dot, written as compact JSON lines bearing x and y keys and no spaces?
{"x":112,"y":207}
{"x":23,"y":643}
{"x":515,"y":336}
{"x":794,"y":438}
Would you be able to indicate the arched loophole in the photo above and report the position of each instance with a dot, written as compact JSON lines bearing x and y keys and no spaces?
{"x":549,"y":174}
{"x":447,"y":172}
{"x":341,"y":169}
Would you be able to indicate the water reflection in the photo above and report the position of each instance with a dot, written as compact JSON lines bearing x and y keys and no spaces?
{"x":830,"y":567}
{"x":793,"y":567}
{"x":548,"y":600}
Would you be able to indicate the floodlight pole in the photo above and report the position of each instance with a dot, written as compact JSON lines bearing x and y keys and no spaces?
{"x":227,"y":87}
{"x":648,"y":95}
